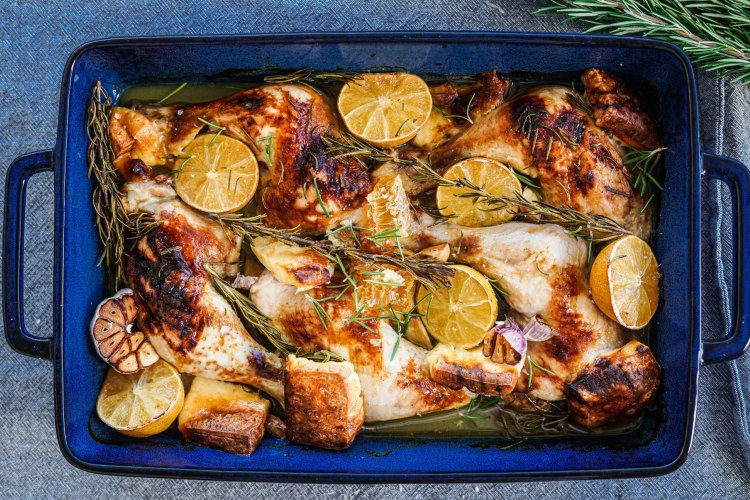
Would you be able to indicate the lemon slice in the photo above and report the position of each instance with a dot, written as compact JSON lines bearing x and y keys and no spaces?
{"x":492,"y":176}
{"x":141,"y":404}
{"x":221,"y":175}
{"x":462,"y":314}
{"x":625,"y":282}
{"x":385,"y":109}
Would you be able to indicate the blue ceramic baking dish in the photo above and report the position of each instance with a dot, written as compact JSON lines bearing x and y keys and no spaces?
{"x":658,"y":446}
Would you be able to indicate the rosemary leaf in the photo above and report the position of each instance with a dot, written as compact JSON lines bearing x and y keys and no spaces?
{"x":348,"y":146}
{"x":309,"y":76}
{"x":320,"y":199}
{"x":171,"y":94}
{"x":465,"y":117}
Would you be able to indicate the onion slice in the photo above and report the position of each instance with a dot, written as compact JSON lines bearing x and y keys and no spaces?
{"x":537,"y":331}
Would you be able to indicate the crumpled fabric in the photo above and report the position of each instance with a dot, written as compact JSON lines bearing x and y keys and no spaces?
{"x":36,"y":37}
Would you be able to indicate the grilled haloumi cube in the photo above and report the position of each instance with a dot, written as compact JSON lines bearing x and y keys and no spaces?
{"x":324,"y":405}
{"x":223,"y":415}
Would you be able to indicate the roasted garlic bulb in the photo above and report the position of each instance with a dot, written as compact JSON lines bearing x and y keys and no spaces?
{"x":124,"y":349}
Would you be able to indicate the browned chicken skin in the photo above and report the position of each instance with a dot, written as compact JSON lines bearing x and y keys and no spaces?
{"x":616,"y":387}
{"x":187,"y":321}
{"x":619,"y":110}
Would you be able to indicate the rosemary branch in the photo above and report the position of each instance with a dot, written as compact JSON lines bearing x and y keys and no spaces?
{"x":429,"y":272}
{"x":309,"y":76}
{"x":592,"y":227}
{"x":348,"y":146}
{"x":260,"y":322}
{"x":116,"y":227}
{"x":713,"y":33}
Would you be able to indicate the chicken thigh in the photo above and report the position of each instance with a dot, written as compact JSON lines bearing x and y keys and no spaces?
{"x":283,"y":124}
{"x":187,"y":321}
{"x":395,"y":379}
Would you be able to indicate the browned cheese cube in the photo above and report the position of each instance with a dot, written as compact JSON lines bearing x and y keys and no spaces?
{"x":324,"y":405}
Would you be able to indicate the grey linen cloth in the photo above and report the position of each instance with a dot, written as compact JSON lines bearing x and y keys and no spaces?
{"x":35,"y":40}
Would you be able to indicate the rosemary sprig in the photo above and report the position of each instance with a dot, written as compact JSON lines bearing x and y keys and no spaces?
{"x":268,"y":149}
{"x":577,"y":101}
{"x":260,"y":322}
{"x":116,"y":227}
{"x":495,"y":283}
{"x":323,"y":316}
{"x":712,"y":33}
{"x":320,"y":199}
{"x":348,"y":146}
{"x":309,"y":76}
{"x":547,"y":416}
{"x":527,"y":181}
{"x":402,"y":320}
{"x":533,"y":364}
{"x":465,"y":117}
{"x":429,"y":272}
{"x":645,"y":164}
{"x":185,"y":160}
{"x":593,"y":227}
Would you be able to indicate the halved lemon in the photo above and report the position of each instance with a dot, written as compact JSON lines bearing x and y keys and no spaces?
{"x":385,"y":109}
{"x":220,"y":176}
{"x":488,"y":174}
{"x":462,"y":314}
{"x":141,"y":404}
{"x":625,"y":282}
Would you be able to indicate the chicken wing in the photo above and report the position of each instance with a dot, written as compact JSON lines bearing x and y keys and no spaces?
{"x":619,"y":110}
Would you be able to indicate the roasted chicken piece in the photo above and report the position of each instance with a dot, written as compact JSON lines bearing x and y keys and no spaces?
{"x":619,"y":110}
{"x":455,"y":106}
{"x":282,"y":124}
{"x":543,"y":270}
{"x":323,"y":403}
{"x":187,"y":321}
{"x":223,"y":415}
{"x":395,"y":381}
{"x":615,"y":387}
{"x":543,"y":133}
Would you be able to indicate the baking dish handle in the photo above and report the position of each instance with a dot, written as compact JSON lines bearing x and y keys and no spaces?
{"x":737,"y":177}
{"x":19,"y":173}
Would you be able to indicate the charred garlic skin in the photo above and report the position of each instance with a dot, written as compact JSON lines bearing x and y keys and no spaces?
{"x":112,"y":329}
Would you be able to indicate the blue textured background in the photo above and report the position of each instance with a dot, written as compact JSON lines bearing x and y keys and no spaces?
{"x":35,"y":39}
